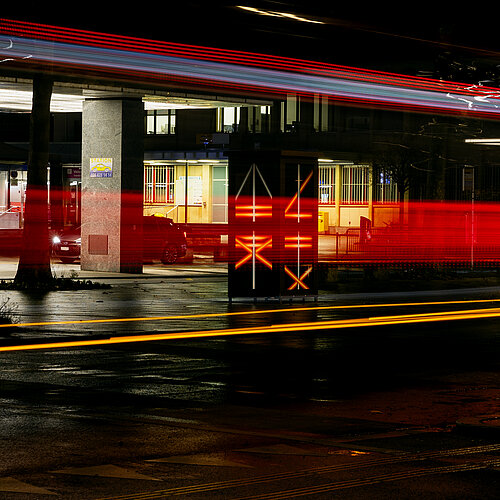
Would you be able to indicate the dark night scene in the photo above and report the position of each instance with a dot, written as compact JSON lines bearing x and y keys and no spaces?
{"x":249,"y":251}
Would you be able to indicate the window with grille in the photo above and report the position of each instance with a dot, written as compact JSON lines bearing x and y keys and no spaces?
{"x":386,"y":190}
{"x":326,"y":188}
{"x":355,"y":185}
{"x":159,"y":184}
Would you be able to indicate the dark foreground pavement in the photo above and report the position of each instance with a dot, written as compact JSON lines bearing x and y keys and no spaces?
{"x":298,"y":415}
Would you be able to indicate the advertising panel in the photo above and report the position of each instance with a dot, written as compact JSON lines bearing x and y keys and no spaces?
{"x":101,"y":167}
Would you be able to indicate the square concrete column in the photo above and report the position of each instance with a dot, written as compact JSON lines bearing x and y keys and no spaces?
{"x":112,"y":185}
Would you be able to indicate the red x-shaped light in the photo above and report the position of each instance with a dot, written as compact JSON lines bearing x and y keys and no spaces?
{"x":298,"y":281}
{"x":254,"y":248}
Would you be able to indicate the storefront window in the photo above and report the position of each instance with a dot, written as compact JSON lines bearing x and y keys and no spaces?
{"x":159,"y":184}
{"x":355,"y":184}
{"x":326,"y":188}
{"x":386,"y":190}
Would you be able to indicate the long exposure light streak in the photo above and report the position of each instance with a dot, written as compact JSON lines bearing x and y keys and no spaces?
{"x":272,"y":329}
{"x":68,"y":49}
{"x":107,"y":40}
{"x":251,"y":313}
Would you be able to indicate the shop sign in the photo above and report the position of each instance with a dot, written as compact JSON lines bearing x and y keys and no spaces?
{"x":101,"y":167}
{"x":74,"y":173}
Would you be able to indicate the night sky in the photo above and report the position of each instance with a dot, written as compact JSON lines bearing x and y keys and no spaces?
{"x":397,"y":37}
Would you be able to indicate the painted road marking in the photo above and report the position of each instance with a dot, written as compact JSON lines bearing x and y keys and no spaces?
{"x":107,"y":470}
{"x":284,"y":449}
{"x":13,"y":485}
{"x":212,"y":460}
{"x":362,"y":463}
{"x":376,"y":479}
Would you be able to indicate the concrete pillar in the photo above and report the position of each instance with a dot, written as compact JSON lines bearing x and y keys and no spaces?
{"x":112,"y":185}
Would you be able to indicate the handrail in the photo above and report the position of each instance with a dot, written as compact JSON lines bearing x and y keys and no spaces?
{"x":173,"y":208}
{"x":7,"y":211}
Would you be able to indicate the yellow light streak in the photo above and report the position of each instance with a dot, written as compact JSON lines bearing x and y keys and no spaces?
{"x":283,"y":328}
{"x":248,"y":313}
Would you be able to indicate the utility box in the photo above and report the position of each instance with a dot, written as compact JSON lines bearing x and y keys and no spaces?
{"x":323,"y":222}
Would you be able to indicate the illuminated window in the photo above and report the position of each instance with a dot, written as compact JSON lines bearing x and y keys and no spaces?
{"x":159,"y":184}
{"x":355,"y":184}
{"x":228,"y":120}
{"x":290,"y":113}
{"x":219,"y":193}
{"x":265,"y":117}
{"x":160,"y":121}
{"x":326,"y":188}
{"x":320,"y":113}
{"x":386,"y":190}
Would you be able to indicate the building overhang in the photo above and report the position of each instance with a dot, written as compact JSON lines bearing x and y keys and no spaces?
{"x":16,"y":96}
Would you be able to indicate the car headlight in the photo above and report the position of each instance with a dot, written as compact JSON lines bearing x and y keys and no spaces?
{"x":56,"y":240}
{"x":78,"y":241}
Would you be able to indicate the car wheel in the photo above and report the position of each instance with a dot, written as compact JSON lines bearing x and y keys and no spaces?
{"x":169,"y":255}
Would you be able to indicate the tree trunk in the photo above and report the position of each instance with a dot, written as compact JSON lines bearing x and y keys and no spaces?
{"x":34,"y":269}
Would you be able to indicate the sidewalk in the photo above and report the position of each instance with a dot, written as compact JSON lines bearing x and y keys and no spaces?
{"x":8,"y":268}
{"x":155,"y":275}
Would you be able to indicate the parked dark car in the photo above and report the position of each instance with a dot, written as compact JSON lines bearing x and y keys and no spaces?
{"x":162,"y":240}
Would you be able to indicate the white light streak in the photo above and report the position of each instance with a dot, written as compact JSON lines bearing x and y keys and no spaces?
{"x":247,"y":77}
{"x":286,"y":15}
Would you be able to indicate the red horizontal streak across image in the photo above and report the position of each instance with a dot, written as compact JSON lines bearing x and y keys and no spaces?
{"x":457,"y":98}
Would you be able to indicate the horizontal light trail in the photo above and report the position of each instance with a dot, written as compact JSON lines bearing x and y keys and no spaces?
{"x":247,"y":313}
{"x":107,"y":40}
{"x":280,"y":328}
{"x":25,"y":43}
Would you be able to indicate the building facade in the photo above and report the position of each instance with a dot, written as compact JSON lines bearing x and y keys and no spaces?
{"x":358,"y":174}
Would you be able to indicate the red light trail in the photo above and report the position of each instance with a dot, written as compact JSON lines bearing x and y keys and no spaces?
{"x":79,"y":50}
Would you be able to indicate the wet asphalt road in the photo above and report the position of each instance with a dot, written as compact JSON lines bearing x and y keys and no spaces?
{"x":374,"y":412}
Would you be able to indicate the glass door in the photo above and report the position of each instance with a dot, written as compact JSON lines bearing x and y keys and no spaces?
{"x":219,"y":193}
